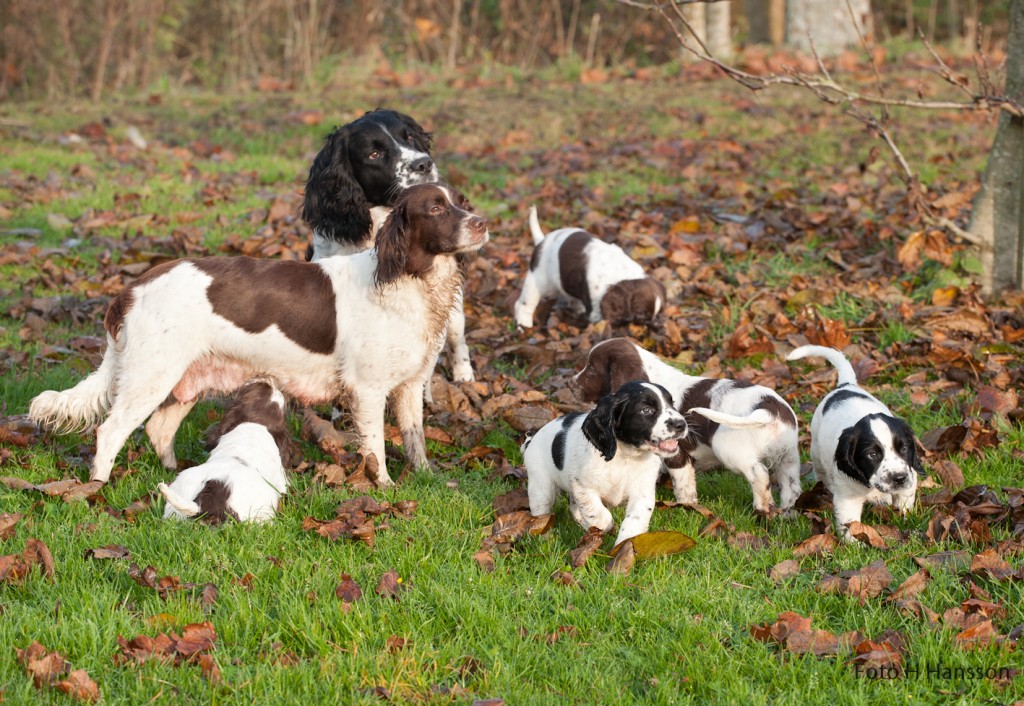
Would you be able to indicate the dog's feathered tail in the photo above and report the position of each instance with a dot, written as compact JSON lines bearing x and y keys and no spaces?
{"x":847,"y":376}
{"x":757,"y":418}
{"x":183,"y":506}
{"x":81,"y":406}
{"x":535,"y":229}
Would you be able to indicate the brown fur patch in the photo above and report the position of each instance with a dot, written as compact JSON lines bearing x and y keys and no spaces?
{"x":572,"y":267}
{"x":213,"y":502}
{"x":296,"y":296}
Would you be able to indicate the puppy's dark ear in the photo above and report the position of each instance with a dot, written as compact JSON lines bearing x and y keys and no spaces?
{"x":291,"y":454}
{"x":846,"y":454}
{"x":420,"y":138}
{"x":622,"y":371}
{"x":334,"y":203}
{"x":908,"y":446}
{"x":392,"y":245}
{"x":599,"y":427}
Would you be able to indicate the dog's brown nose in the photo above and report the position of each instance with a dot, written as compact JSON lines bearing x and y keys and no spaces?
{"x":476,"y":224}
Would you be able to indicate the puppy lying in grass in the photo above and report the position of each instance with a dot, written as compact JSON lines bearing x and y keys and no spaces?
{"x":244,"y":477}
{"x":605,"y":458}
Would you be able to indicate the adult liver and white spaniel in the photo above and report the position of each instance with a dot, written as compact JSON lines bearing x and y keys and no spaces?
{"x":245,"y":476}
{"x":860,"y":450}
{"x":746,"y":428}
{"x":367,"y":326}
{"x":605,"y":458}
{"x":356,"y":178}
{"x":601,"y":280}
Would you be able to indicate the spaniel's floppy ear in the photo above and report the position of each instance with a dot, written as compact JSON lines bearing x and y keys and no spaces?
{"x":334,"y":204}
{"x":420,"y":138}
{"x":620,"y":372}
{"x":908,"y":446}
{"x":599,"y":426}
{"x":392,"y":245}
{"x":846,"y":454}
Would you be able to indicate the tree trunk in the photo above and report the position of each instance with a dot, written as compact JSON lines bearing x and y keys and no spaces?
{"x":828,"y":23}
{"x":766,"y":20}
{"x":696,"y":17}
{"x":998,"y":215}
{"x":719,"y":30}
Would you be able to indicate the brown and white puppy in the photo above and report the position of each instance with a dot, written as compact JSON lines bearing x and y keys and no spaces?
{"x":356,"y":178}
{"x":598,"y":277}
{"x":745,"y":428}
{"x":861,"y":451}
{"x":605,"y":458}
{"x":367,"y":326}
{"x":244,"y":478}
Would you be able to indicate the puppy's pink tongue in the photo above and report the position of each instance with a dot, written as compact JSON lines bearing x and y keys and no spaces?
{"x":669,"y":446}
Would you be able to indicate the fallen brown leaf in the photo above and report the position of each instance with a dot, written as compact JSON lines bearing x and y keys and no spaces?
{"x":588,"y":544}
{"x":784,"y":570}
{"x":390,"y":585}
{"x":867,"y":534}
{"x":622,"y":562}
{"x":914,"y":584}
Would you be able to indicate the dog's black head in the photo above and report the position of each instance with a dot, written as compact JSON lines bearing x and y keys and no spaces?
{"x":880,"y":451}
{"x":368,"y":162}
{"x":639,"y":414}
{"x":258,"y":402}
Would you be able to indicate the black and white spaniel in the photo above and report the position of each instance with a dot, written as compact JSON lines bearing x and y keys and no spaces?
{"x":366,"y":326}
{"x":600,"y":280}
{"x":746,"y":428}
{"x":860,"y":450}
{"x":605,"y":458}
{"x":245,"y":477}
{"x":356,"y":178}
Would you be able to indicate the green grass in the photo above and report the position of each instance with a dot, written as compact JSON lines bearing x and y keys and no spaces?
{"x":676,"y":630}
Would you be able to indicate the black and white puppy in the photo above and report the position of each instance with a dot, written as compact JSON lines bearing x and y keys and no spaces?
{"x":601,"y":280}
{"x":746,"y":428}
{"x":605,"y":458}
{"x":355,"y":180}
{"x":244,"y":477}
{"x":860,"y":450}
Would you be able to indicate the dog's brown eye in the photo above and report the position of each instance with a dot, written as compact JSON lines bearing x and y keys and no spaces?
{"x":374,"y":155}
{"x":436,"y":210}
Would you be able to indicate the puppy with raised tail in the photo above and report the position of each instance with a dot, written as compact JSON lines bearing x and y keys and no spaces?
{"x":605,"y":458}
{"x":860,"y":450}
{"x":599,"y":278}
{"x":746,"y":428}
{"x":244,"y":477}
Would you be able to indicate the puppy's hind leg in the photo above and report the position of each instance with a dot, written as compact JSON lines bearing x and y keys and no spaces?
{"x":527,"y":303}
{"x":163,"y":426}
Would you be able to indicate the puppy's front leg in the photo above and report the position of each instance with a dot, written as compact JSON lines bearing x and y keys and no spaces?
{"x":588,"y":510}
{"x":368,"y":415}
{"x":684,"y":479}
{"x":847,"y":510}
{"x":639,"y":508}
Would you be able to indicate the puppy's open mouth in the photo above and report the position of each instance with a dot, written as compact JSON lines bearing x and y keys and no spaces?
{"x":668,"y":447}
